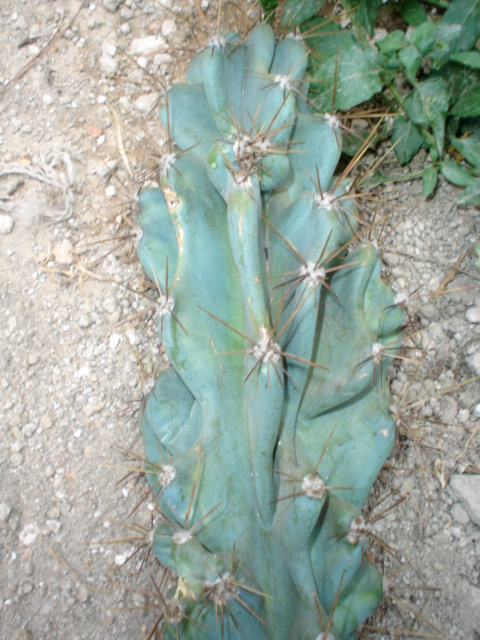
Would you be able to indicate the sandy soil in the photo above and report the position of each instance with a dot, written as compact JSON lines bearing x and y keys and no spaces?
{"x":78,"y":136}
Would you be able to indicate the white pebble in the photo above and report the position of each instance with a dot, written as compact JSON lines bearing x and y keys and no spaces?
{"x":111,"y":191}
{"x":6,"y":224}
{"x":120,"y":559}
{"x":473,"y":315}
{"x":28,"y":534}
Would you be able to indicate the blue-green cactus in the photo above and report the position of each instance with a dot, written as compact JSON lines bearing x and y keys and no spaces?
{"x":264,"y":438}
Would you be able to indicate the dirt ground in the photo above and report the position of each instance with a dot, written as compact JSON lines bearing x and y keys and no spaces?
{"x":79,"y":133}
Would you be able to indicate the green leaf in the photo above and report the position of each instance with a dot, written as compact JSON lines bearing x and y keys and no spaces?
{"x":455,"y":174}
{"x":463,"y":86}
{"x":327,"y":38}
{"x":411,"y":59}
{"x":470,"y":195}
{"x":423,"y":37}
{"x":406,"y":139}
{"x":357,"y":75}
{"x":296,"y":12}
{"x":468,"y":58}
{"x":458,"y":31}
{"x":367,"y":12}
{"x":430,"y":177}
{"x":412,"y":12}
{"x":465,"y":13}
{"x":427,"y":104}
{"x":468,"y":105}
{"x":394,"y":41}
{"x":469,"y":148}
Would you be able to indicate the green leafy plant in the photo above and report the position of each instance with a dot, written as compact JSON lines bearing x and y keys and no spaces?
{"x":428,"y":76}
{"x":264,"y":437}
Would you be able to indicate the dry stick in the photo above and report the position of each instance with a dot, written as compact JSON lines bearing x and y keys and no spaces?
{"x":57,"y":33}
{"x":61,"y":560}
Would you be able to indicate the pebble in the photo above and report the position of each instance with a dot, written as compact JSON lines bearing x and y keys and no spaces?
{"x":6,"y":224}
{"x":28,"y":534}
{"x":146,"y":46}
{"x":33,"y":359}
{"x":473,"y":363}
{"x":63,"y":252}
{"x":112,"y":5}
{"x":82,"y":594}
{"x":111,"y":191}
{"x":473,"y":315}
{"x":47,"y":99}
{"x":145,"y":103}
{"x":29,"y":429}
{"x":168,"y":27}
{"x":5,"y":511}
{"x":49,"y":471}
{"x":467,"y":490}
{"x":46,"y":422}
{"x":53,"y":525}
{"x":110,"y":304}
{"x":92,"y":408}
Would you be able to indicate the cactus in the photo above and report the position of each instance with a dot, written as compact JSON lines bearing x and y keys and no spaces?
{"x":265,"y":436}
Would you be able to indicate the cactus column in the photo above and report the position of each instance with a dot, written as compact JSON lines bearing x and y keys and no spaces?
{"x":264,"y":438}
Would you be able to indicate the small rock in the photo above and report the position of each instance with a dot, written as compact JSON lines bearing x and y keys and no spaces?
{"x":147,"y":46}
{"x":63,"y":252}
{"x":84,"y":321}
{"x":467,"y":491}
{"x":29,"y":429}
{"x":92,"y":408}
{"x":33,"y":359}
{"x":111,"y":191}
{"x":168,"y":27}
{"x":28,"y":534}
{"x":6,"y":224}
{"x":47,"y":99}
{"x":53,"y":525}
{"x":5,"y":511}
{"x":473,"y":315}
{"x":473,"y":363}
{"x":449,"y":409}
{"x":46,"y":421}
{"x":108,"y":65}
{"x":13,"y":184}
{"x":11,"y":325}
{"x":145,"y":103}
{"x":120,"y":559}
{"x":109,"y":48}
{"x":110,"y":304}
{"x":49,"y":471}
{"x":94,"y":131}
{"x":28,"y":568}
{"x":82,"y":594}
{"x":112,"y":5}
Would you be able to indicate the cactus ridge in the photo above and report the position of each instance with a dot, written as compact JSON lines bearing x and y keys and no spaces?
{"x":264,"y":437}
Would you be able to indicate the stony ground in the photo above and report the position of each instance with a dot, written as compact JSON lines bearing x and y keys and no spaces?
{"x":78,"y":133}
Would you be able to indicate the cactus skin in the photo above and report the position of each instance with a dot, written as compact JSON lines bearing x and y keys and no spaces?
{"x":264,"y":438}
